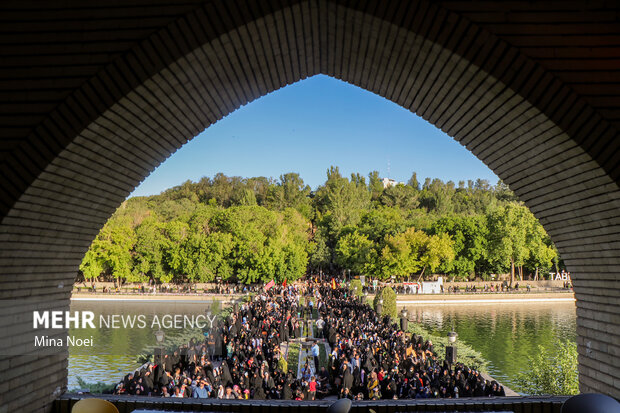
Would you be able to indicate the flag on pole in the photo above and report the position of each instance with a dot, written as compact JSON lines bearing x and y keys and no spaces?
{"x":284,"y":283}
{"x":333,"y":284}
{"x":269,"y":284}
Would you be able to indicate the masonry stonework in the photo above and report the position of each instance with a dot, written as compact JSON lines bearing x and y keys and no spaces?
{"x":531,"y":88}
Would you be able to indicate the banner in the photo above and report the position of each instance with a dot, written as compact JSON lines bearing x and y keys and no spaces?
{"x":269,"y":285}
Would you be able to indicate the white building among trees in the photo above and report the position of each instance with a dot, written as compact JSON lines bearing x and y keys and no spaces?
{"x":387,"y":182}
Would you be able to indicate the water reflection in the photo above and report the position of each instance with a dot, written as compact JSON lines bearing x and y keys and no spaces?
{"x":506,"y":334}
{"x":116,"y":350}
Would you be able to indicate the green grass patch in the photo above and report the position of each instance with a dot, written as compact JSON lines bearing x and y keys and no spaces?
{"x":293,"y":357}
{"x":216,"y":307}
{"x":465,"y":353}
{"x":95,"y":388}
{"x":322,"y":355}
{"x":315,"y":331}
{"x":171,"y":343}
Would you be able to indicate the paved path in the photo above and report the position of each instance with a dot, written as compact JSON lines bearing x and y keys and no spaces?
{"x":304,"y":355}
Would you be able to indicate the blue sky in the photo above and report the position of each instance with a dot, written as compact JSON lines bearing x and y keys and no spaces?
{"x":310,"y":125}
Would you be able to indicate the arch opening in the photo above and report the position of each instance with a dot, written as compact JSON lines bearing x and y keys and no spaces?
{"x":530,"y":129}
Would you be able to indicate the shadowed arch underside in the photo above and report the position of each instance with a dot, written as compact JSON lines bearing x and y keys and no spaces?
{"x":70,"y":173}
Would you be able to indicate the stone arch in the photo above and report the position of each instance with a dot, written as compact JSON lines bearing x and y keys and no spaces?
{"x":80,"y":163}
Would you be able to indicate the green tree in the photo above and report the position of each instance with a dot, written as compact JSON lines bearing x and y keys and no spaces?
{"x":437,"y":251}
{"x":92,"y":264}
{"x":400,"y":196}
{"x":147,"y":252}
{"x":319,"y":252}
{"x":502,"y":192}
{"x":290,"y":192}
{"x":413,"y":182}
{"x":379,"y":222}
{"x":508,"y":237}
{"x":436,"y":196}
{"x":340,"y":202}
{"x":295,"y":262}
{"x":400,"y":255}
{"x":411,"y":251}
{"x":541,"y":250}
{"x":261,"y":187}
{"x":389,"y":302}
{"x":265,"y":244}
{"x":355,"y":252}
{"x":554,"y":374}
{"x":110,"y":252}
{"x":245,"y":197}
{"x":222,"y":189}
{"x":253,"y":229}
{"x":469,"y":238}
{"x":207,"y":256}
{"x":174,"y":254}
{"x":356,"y":288}
{"x":375,"y":186}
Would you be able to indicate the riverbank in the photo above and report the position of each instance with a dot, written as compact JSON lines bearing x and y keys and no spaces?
{"x":401,"y":299}
{"x":184,"y":298}
{"x":484,"y":298}
{"x":505,"y":334}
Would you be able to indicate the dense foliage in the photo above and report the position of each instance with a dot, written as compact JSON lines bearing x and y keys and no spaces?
{"x":356,"y":288}
{"x":255,"y":229}
{"x":465,"y":353}
{"x":92,"y":387}
{"x":552,"y":373}
{"x":388,"y":307}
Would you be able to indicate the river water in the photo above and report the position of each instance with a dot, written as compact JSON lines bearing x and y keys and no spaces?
{"x":505,"y":334}
{"x":115,"y":350}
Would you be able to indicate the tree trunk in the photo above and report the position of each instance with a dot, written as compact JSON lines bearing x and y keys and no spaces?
{"x":512,"y":271}
{"x":536,"y":275}
{"x":422,"y":273}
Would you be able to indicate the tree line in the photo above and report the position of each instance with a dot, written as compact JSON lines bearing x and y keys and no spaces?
{"x":254,"y":229}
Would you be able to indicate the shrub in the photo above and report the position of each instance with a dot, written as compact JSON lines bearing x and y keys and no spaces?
{"x":389,"y":302}
{"x":283,"y":364}
{"x":552,"y":373}
{"x":94,"y":388}
{"x":216,"y":307}
{"x":465,"y":353}
{"x":356,"y":288}
{"x":172,"y":342}
{"x":293,"y":357}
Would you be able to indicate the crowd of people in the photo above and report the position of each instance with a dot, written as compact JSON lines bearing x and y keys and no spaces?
{"x":237,"y":289}
{"x":369,"y":358}
{"x":152,"y":288}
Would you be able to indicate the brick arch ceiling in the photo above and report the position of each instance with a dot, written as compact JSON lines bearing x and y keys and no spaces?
{"x":71,"y":171}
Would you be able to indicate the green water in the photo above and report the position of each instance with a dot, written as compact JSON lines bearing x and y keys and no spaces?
{"x":115,"y":350}
{"x":504,"y":333}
